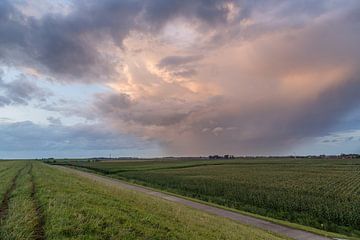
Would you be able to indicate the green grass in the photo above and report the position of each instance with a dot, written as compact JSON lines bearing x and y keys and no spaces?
{"x":321,"y":193}
{"x":21,"y":218}
{"x":8,"y":170}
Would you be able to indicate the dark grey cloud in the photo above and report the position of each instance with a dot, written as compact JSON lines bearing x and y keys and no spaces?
{"x":176,"y":61}
{"x":20,"y":92}
{"x":180,"y":66}
{"x":11,"y":27}
{"x":54,"y":121}
{"x":113,"y":102}
{"x":209,"y":12}
{"x":68,"y":45}
{"x":143,"y":112}
{"x":215,"y":13}
{"x":185,"y":73}
{"x":4,"y":101}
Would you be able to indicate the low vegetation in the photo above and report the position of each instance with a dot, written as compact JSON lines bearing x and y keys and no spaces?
{"x":8,"y":175}
{"x":321,"y":193}
{"x":47,"y":203}
{"x":21,"y":219}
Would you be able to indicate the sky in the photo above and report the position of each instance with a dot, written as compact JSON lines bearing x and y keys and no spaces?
{"x":81,"y":78}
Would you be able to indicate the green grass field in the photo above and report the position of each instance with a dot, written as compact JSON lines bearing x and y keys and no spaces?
{"x":321,"y":193}
{"x":47,"y":203}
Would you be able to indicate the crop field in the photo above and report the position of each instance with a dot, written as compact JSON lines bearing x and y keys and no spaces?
{"x":321,"y":193}
{"x":39,"y":201}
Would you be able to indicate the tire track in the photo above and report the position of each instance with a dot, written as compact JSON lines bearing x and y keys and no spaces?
{"x":3,"y":171}
{"x":4,"y":207}
{"x":39,"y":231}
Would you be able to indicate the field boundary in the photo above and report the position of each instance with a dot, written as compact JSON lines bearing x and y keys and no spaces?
{"x":265,"y":224}
{"x":153,"y":169}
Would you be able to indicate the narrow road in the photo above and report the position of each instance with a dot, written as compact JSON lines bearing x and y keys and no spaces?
{"x":252,"y":221}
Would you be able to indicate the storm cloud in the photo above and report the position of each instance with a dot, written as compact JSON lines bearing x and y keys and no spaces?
{"x":261,"y":96}
{"x":177,"y":60}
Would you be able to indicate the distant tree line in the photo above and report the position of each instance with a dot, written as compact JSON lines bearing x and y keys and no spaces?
{"x":226,"y":156}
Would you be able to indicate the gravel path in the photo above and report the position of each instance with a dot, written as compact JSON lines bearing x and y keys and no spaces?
{"x":252,"y":221}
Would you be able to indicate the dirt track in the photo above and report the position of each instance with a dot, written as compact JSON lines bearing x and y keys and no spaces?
{"x":252,"y":221}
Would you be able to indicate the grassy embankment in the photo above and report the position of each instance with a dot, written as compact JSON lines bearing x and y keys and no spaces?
{"x":72,"y":207}
{"x":321,"y":193}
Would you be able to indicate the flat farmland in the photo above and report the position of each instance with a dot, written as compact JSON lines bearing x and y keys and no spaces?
{"x":321,"y":193}
{"x":42,"y":202}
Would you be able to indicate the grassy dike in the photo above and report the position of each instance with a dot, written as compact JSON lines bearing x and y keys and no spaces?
{"x":77,"y":208}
